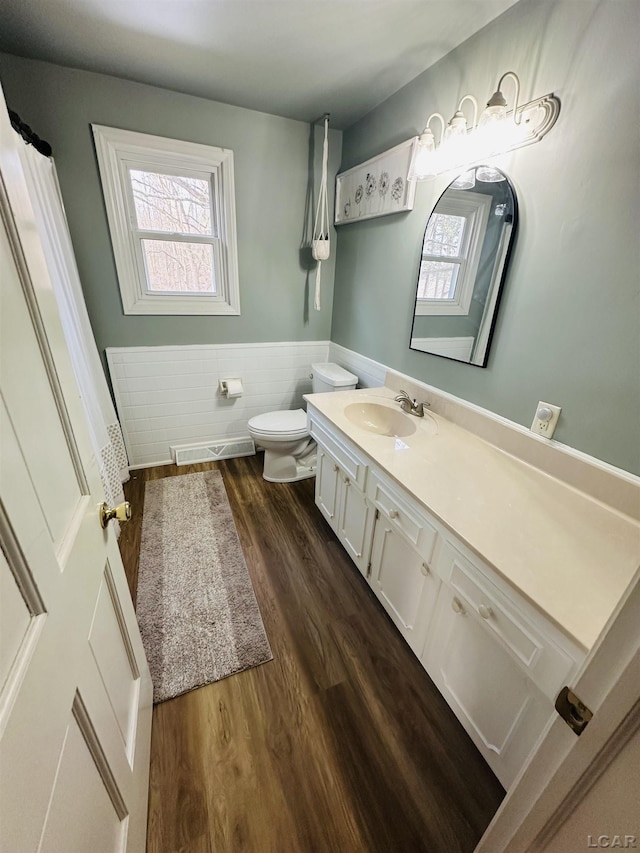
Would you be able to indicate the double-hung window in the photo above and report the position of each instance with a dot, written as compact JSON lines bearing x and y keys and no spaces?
{"x":451,"y":253}
{"x":171,"y":212}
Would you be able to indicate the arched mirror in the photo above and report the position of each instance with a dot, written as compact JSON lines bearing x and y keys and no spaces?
{"x":463,"y":264}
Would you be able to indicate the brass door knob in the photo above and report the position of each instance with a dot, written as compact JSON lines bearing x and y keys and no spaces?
{"x":122,"y":512}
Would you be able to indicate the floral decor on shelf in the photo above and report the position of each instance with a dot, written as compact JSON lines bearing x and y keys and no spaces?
{"x":376,"y":187}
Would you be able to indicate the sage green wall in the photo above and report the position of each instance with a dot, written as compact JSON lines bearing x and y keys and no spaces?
{"x":271,"y":162}
{"x":568,"y":330}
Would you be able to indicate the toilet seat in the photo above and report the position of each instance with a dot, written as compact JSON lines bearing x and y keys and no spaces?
{"x":287,"y":425}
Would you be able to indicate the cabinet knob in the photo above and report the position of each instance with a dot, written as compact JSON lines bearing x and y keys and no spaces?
{"x":347,"y":481}
{"x":335,"y":467}
{"x":485,"y":612}
{"x":425,"y":570}
{"x":394,"y":513}
{"x":456,"y":605}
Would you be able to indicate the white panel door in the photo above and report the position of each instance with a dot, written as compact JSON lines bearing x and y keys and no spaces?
{"x":327,"y":486}
{"x":404,"y":583}
{"x":492,"y":696}
{"x":355,"y":523}
{"x":75,"y":691}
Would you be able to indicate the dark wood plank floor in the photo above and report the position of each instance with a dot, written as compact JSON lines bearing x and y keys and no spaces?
{"x":341,"y":744}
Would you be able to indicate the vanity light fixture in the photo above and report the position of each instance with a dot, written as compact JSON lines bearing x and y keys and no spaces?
{"x":498,"y":130}
{"x":424,"y":160}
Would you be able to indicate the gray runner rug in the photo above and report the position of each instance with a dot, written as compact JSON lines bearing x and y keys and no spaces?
{"x":196,"y":608}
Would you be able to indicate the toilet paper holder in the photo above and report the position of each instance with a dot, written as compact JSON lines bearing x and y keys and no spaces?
{"x":230,"y":387}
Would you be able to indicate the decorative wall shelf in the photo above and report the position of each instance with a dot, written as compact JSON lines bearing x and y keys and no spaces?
{"x":377,"y":187}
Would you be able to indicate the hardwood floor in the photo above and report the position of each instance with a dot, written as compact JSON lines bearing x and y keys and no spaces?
{"x":341,"y":744}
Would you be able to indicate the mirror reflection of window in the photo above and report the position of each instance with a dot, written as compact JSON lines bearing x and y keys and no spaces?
{"x":451,"y":253}
{"x":443,"y":239}
{"x":463,"y":258}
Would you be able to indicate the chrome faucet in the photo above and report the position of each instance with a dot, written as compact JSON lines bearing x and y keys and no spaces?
{"x":411,"y":407}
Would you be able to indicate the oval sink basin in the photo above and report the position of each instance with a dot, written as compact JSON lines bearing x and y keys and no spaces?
{"x":381,"y":420}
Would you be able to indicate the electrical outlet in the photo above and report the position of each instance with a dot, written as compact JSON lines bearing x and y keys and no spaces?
{"x":545,"y":420}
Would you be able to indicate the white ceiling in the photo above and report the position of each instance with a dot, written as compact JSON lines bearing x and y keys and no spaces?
{"x":294,"y":58}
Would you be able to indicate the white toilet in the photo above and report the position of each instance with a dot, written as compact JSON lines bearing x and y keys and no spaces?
{"x":289,"y":451}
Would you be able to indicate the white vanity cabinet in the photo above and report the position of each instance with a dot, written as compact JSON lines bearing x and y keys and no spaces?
{"x":497,"y":667}
{"x":497,"y":660}
{"x":340,"y":481}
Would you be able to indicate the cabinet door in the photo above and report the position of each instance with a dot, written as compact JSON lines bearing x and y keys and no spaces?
{"x":355,"y":522}
{"x":497,"y":703}
{"x":403,"y":582}
{"x":327,"y":486}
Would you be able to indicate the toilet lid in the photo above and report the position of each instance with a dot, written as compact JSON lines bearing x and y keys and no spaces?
{"x":290,"y":422}
{"x":333,"y":374}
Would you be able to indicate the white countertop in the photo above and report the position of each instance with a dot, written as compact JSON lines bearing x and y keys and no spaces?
{"x":569,"y":555}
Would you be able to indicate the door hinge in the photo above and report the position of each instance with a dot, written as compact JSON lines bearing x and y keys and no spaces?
{"x":377,"y":515}
{"x":368,"y":568}
{"x":574,"y":712}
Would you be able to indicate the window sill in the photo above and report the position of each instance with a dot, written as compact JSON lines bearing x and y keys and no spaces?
{"x":176,"y":306}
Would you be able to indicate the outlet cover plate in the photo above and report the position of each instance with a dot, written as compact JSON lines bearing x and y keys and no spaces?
{"x":546,"y":427}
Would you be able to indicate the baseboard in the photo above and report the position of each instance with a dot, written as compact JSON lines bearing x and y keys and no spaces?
{"x":151,"y":465}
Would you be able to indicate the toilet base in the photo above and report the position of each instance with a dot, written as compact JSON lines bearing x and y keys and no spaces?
{"x":287,"y":468}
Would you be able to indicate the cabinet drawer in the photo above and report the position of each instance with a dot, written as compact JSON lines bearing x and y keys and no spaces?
{"x":347,"y":458}
{"x":546,"y":663}
{"x":404,"y":515}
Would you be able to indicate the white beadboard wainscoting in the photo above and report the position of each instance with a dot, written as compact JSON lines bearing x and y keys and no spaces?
{"x":370,"y":373}
{"x":169,"y":396}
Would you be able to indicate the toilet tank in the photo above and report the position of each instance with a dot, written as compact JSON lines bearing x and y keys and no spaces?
{"x":331,"y":377}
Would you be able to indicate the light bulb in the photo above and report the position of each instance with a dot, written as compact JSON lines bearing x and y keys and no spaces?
{"x":492,"y":131}
{"x":495,"y":115}
{"x":495,"y":128}
{"x":454,"y":147}
{"x":423,"y":161}
{"x":457,"y":127}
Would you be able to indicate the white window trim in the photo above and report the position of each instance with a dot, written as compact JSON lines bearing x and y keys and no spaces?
{"x":119,"y":150}
{"x":475,"y":208}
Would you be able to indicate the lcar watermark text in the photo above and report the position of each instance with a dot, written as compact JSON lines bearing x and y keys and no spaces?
{"x":612,"y":842}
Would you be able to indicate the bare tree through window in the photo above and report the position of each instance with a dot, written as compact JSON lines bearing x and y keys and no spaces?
{"x":443,"y":239}
{"x":175,"y":206}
